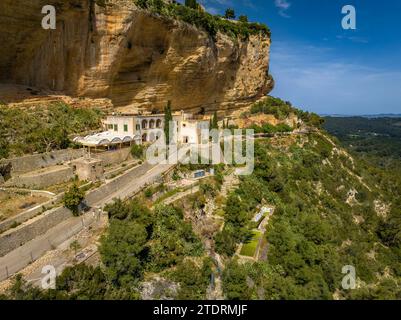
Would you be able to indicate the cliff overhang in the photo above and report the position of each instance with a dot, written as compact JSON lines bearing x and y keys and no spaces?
{"x":134,"y":57}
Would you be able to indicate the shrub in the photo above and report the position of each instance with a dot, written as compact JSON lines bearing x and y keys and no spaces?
{"x":149,"y":192}
{"x":4,"y":147}
{"x":275,"y":106}
{"x":235,"y":286}
{"x":193,"y":280}
{"x":137,"y":151}
{"x":225,"y":243}
{"x":243,"y":18}
{"x":73,"y":198}
{"x":192,"y":4}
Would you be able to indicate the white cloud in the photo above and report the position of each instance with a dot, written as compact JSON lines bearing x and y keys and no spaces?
{"x":283,"y":6}
{"x":354,"y":39}
{"x":314,"y":79}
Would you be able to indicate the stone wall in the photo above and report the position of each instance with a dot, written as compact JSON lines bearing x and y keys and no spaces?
{"x":33,"y":212}
{"x":42,"y":160}
{"x":14,"y":238}
{"x":115,"y":184}
{"x":29,"y":214}
{"x":37,"y":226}
{"x":23,"y":168}
{"x":113,"y":156}
{"x":42,"y":179}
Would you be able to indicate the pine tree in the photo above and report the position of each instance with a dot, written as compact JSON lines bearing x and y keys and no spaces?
{"x":191,"y":4}
{"x":230,"y":13}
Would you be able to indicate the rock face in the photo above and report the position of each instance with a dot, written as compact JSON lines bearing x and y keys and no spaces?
{"x":131,"y":56}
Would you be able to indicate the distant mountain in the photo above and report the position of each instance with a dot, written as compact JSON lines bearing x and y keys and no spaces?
{"x":384,"y":115}
{"x":370,"y":116}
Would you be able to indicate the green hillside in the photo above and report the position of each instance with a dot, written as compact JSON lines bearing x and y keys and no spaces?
{"x":327,"y":216}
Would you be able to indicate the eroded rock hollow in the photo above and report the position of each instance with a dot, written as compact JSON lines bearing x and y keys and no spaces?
{"x":131,"y":56}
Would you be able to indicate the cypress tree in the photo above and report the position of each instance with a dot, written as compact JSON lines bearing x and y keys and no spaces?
{"x":215,"y":122}
{"x":167,"y":118}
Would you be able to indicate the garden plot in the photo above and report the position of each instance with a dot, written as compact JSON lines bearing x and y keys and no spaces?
{"x":249,"y":249}
{"x":13,"y":203}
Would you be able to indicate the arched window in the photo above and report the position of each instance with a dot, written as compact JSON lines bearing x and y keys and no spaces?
{"x":144,"y":137}
{"x":158,"y":123}
{"x":144,"y":124}
{"x":152,"y":124}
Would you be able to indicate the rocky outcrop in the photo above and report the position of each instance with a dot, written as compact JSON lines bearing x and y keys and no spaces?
{"x":133,"y":57}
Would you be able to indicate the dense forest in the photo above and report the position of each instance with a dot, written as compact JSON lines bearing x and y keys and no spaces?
{"x":377,"y":140}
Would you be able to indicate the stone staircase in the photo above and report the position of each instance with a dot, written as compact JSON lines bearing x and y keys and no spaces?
{"x":230,"y":182}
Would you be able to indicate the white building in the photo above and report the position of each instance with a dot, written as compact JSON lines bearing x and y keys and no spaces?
{"x":190,"y":130}
{"x":137,"y":128}
{"x":142,"y":128}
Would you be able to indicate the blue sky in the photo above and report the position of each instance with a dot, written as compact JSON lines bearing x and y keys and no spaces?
{"x":320,"y":67}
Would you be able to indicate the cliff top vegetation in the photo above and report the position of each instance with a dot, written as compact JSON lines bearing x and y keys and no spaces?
{"x":194,"y":14}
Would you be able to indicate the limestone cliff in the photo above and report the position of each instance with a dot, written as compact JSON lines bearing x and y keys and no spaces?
{"x":129,"y":55}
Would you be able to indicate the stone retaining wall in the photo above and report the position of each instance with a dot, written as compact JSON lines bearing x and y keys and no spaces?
{"x":29,"y":214}
{"x":115,"y":184}
{"x":42,"y":160}
{"x":42,"y":179}
{"x":14,"y":238}
{"x":113,"y":156}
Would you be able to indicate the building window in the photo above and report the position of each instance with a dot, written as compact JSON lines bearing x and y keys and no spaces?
{"x":158,"y":123}
{"x":110,"y":126}
{"x":125,"y":127}
{"x":152,"y":124}
{"x":144,"y":124}
{"x":159,"y":134}
{"x":115,"y":127}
